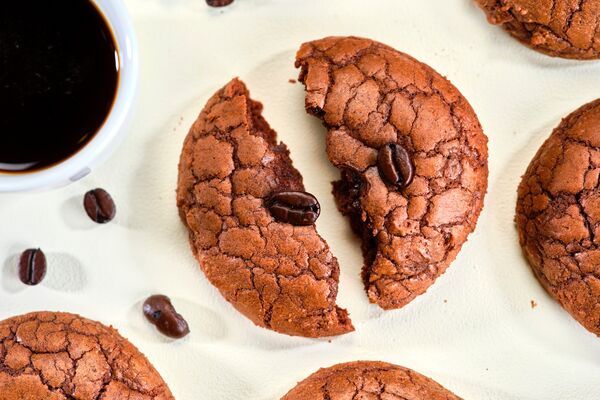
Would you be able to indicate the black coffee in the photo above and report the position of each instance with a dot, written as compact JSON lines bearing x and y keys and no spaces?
{"x":59,"y":72}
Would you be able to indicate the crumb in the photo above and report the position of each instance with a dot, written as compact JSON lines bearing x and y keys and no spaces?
{"x":292,"y":81}
{"x":445,"y":300}
{"x":533,"y":304}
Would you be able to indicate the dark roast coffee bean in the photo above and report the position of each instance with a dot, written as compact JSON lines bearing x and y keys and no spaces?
{"x":219,"y":3}
{"x":99,"y":205}
{"x":296,"y":208}
{"x":395,"y":165}
{"x":161,"y":313}
{"x":32,"y":267}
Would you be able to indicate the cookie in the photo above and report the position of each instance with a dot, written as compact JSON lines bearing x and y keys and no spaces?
{"x":558,"y":28}
{"x":368,"y":380}
{"x":558,"y":215}
{"x":412,"y":155}
{"x":281,"y":276}
{"x":59,"y":356}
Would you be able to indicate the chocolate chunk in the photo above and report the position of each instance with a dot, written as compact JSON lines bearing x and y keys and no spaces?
{"x":296,"y":208}
{"x":100,"y":206}
{"x":219,"y":3}
{"x":159,"y":310}
{"x":395,"y":165}
{"x":32,"y":267}
{"x":353,"y":186}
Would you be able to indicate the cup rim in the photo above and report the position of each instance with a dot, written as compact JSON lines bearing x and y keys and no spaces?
{"x":110,"y":133}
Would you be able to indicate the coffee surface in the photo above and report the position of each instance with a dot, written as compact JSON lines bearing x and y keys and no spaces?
{"x":58,"y":79}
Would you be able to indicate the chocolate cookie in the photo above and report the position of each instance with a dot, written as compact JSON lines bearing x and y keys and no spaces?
{"x":558,"y":215}
{"x":412,"y":154}
{"x":559,"y":28}
{"x":58,"y":356}
{"x":368,"y":380}
{"x":283,"y":277}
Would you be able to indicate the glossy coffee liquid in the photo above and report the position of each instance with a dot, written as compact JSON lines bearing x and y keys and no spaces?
{"x":59,"y":71}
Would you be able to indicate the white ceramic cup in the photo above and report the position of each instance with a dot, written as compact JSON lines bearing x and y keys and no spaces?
{"x":110,"y":135}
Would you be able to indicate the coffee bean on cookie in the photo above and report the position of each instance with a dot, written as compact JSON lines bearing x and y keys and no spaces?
{"x":32,"y":267}
{"x":558,"y":215}
{"x":99,"y":206}
{"x":251,"y":222}
{"x":412,"y":157}
{"x":395,"y":165}
{"x":559,"y":28}
{"x":296,"y":208}
{"x":159,"y":310}
{"x":60,"y":356}
{"x":368,"y":380}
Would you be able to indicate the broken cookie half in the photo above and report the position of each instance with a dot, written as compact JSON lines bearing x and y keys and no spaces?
{"x":412,"y":155}
{"x":251,"y":223}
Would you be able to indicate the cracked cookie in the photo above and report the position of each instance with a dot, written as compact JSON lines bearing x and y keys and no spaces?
{"x":559,"y":28}
{"x":59,"y":356}
{"x":368,"y":380}
{"x":392,"y":117}
{"x":558,"y":215}
{"x":282,"y":277}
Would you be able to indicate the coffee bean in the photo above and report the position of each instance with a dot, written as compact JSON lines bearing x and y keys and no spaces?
{"x":161,"y":313}
{"x":219,"y":3}
{"x":395,"y":165}
{"x":32,"y":267}
{"x":296,"y":208}
{"x":100,"y":206}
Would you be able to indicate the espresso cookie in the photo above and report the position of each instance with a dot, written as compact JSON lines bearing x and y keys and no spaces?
{"x":58,"y":356}
{"x":281,"y":276}
{"x":412,"y":154}
{"x":558,"y":215}
{"x":559,"y":28}
{"x":368,"y":380}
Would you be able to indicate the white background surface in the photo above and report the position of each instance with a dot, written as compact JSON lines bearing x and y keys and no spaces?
{"x":474,"y":331}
